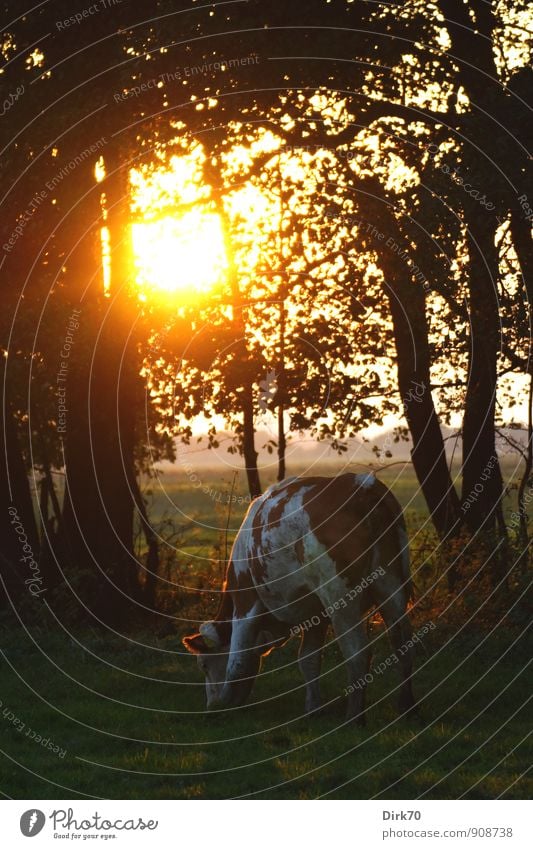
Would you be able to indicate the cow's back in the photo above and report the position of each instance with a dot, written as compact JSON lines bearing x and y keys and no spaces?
{"x":307,"y":543}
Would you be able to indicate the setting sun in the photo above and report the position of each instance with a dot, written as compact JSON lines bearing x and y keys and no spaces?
{"x":182,"y":255}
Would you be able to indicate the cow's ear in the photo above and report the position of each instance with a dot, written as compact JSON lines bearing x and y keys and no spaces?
{"x":196,"y":644}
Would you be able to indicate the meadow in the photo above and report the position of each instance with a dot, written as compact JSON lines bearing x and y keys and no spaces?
{"x":91,"y":714}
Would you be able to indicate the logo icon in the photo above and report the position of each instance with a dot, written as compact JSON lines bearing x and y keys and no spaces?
{"x":32,"y":822}
{"x":268,"y":390}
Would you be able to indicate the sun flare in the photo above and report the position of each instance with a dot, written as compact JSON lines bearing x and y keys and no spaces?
{"x":182,"y":256}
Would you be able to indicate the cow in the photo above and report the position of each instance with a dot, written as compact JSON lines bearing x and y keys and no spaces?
{"x":311,"y":552}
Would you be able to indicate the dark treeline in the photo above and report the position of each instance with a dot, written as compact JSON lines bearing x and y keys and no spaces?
{"x":407,"y":242}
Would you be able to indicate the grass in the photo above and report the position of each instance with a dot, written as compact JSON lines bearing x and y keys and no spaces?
{"x":127,"y":712}
{"x":130,"y":717}
{"x":200,"y":508}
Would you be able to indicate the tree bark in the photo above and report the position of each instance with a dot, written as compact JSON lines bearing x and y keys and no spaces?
{"x":282,"y":441}
{"x":521,"y":234}
{"x":16,"y":508}
{"x":482,"y":478}
{"x":152,"y":560}
{"x":407,"y":304}
{"x":114,"y":393}
{"x":413,"y":360}
{"x":247,"y":393}
{"x":248,"y":442}
{"x":100,"y":439}
{"x":523,"y":535}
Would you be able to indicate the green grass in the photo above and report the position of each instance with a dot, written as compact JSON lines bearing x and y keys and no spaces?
{"x":201,"y":506}
{"x":148,"y":737}
{"x":201,"y":509}
{"x":129,"y":711}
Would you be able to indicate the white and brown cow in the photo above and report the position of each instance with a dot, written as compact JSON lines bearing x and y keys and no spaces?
{"x":319,"y":550}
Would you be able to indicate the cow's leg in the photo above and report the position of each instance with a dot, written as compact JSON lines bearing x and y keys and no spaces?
{"x":244,"y":659}
{"x":309,"y":661}
{"x":353,"y":642}
{"x":393,"y":610}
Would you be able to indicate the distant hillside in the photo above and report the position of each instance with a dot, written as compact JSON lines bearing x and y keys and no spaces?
{"x":304,"y":451}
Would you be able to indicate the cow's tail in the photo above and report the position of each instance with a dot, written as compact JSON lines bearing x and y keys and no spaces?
{"x":397,"y":520}
{"x":405,"y":559}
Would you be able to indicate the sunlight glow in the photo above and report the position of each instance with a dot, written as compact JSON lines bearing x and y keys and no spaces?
{"x":105,"y":237}
{"x":179,"y":182}
{"x":184,"y":255}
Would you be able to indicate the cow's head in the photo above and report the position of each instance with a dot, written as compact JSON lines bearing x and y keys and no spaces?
{"x":213,"y":657}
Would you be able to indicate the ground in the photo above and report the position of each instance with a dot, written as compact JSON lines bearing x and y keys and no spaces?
{"x":88,"y":714}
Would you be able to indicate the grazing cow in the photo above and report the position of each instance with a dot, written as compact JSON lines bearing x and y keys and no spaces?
{"x":314,"y":551}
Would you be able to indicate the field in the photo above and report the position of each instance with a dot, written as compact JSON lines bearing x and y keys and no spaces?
{"x":88,"y":714}
{"x":201,"y":509}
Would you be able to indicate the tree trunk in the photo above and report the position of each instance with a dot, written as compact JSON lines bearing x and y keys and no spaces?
{"x":521,"y":234}
{"x":19,"y":540}
{"x":100,"y":432}
{"x":282,"y":441}
{"x":407,"y":302}
{"x":248,"y":442}
{"x":282,"y":444}
{"x":98,"y":506}
{"x":114,"y":393}
{"x":51,"y":552}
{"x":152,"y":560}
{"x":407,"y":305}
{"x":482,"y":479}
{"x":523,"y":535}
{"x":247,"y":394}
{"x":413,"y":361}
